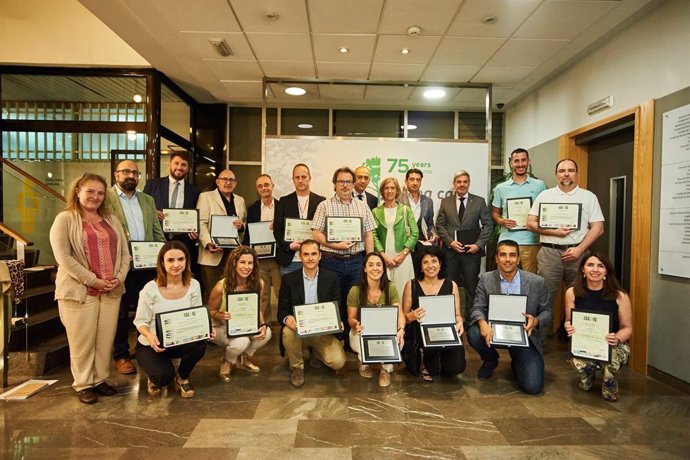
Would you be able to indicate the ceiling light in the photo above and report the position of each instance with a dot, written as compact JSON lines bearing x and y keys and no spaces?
{"x":137,"y":98}
{"x":343,"y":50}
{"x":489,"y":19}
{"x":409,"y":127}
{"x":221,"y":46}
{"x":132,"y":135}
{"x":405,"y":51}
{"x":295,"y":91}
{"x":434,"y":93}
{"x":305,"y":126}
{"x":272,"y":15}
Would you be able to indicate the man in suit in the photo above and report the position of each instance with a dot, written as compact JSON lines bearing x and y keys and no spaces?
{"x":175,"y":192}
{"x":527,"y":362}
{"x":263,"y":210}
{"x":362,"y":179}
{"x":458,"y":225}
{"x":300,"y":204}
{"x":221,"y":201}
{"x":422,"y":206}
{"x":300,"y":287}
{"x":137,"y":213}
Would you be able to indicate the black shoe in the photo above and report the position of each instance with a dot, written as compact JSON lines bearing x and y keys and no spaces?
{"x":87,"y":396}
{"x":487,"y":370}
{"x":104,"y":389}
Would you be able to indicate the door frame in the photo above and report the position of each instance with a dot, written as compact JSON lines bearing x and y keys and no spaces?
{"x":641,"y":224}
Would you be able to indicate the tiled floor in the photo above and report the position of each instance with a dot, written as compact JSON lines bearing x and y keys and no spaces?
{"x":262,"y":416}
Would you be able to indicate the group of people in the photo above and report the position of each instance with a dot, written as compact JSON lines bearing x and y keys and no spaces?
{"x":403,"y":254}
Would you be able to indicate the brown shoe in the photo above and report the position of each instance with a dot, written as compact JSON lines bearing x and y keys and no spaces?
{"x":186,"y":389}
{"x":365,"y":371}
{"x":104,"y":389}
{"x":152,"y":388}
{"x":297,"y":377}
{"x":384,"y":378}
{"x":125,"y":366}
{"x":87,"y":396}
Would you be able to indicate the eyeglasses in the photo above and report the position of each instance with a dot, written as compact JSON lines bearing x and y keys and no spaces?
{"x":129,"y":172}
{"x":227,"y":180}
{"x":344,"y":182}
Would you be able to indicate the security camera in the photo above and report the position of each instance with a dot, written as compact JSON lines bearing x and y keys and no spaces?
{"x":500,"y":105}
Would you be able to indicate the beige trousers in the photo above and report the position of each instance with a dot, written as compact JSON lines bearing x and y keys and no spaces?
{"x":90,"y":330}
{"x":328,"y":349}
{"x":270,"y":275}
{"x":235,"y":346}
{"x":528,"y":257}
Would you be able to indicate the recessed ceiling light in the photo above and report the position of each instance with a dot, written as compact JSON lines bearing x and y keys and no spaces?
{"x":305,"y":126}
{"x":295,"y":91}
{"x":409,"y":127}
{"x":434,"y":93}
{"x":132,"y":135}
{"x":343,"y":49}
{"x":137,"y":98}
{"x":489,"y":19}
{"x":405,"y":51}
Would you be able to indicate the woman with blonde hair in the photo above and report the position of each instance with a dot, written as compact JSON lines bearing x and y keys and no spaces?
{"x":90,"y":248}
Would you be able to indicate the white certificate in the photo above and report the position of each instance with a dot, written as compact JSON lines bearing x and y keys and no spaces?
{"x":244,"y":311}
{"x":343,"y":229}
{"x":380,"y":347}
{"x":557,"y":215}
{"x":223,"y":231}
{"x":517,"y":209}
{"x":261,"y":232}
{"x":589,"y":339}
{"x":297,"y":229}
{"x":144,"y":254}
{"x":439,"y":309}
{"x":181,"y":220}
{"x":440,"y":333}
{"x":317,"y":319}
{"x":379,"y":320}
{"x":510,"y":334}
{"x":182,"y":326}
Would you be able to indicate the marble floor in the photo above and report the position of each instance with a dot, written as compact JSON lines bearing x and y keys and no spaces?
{"x":340,"y":417}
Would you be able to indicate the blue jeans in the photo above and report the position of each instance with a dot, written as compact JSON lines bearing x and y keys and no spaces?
{"x":348,"y":271}
{"x":292,"y":266}
{"x":527,"y":363}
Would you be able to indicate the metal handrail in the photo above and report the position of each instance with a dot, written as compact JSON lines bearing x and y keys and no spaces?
{"x":31,"y":178}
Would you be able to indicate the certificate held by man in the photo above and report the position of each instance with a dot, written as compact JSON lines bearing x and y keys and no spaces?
{"x":297,"y":229}
{"x":517,"y":209}
{"x":317,"y":319}
{"x":223,"y":231}
{"x":589,"y":339}
{"x":558,"y":215}
{"x":187,"y":325}
{"x":343,"y":229}
{"x":244,"y":314}
{"x":181,"y":220}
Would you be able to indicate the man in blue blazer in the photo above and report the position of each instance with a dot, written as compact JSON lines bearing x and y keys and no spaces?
{"x":527,"y":362}
{"x":163,"y":189}
{"x":421,"y":205}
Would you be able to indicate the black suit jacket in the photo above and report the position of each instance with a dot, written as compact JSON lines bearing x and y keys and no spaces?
{"x":289,"y":207}
{"x":292,"y":291}
{"x":254,"y":215}
{"x":158,"y":189}
{"x":372,"y":201}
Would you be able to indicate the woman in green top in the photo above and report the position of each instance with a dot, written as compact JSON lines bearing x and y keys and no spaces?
{"x":374,"y":289}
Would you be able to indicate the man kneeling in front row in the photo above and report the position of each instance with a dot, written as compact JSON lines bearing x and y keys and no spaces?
{"x":527,"y":362}
{"x":309,"y":285}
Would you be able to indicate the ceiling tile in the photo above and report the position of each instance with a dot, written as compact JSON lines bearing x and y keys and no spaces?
{"x":343,"y":71}
{"x":234,"y":70}
{"x":450,"y":73}
{"x":523,"y":52}
{"x":198,"y":15}
{"x":388,"y":93}
{"x":433,"y":16}
{"x":340,"y":16}
{"x":292,"y":16}
{"x":198,"y":43}
{"x":421,"y":49}
{"x":466,"y":51}
{"x":563,"y":19}
{"x":243,"y":89}
{"x":502,"y":75}
{"x":281,"y":47}
{"x":509,"y":13}
{"x":289,"y":69}
{"x":470,"y":98}
{"x":343,"y":93}
{"x":361,"y":47}
{"x":396,"y":72}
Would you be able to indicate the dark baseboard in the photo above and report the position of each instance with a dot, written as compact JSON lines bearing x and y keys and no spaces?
{"x":673,"y":382}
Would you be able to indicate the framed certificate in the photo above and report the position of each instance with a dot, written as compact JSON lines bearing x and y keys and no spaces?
{"x":589,"y":339}
{"x":377,"y":341}
{"x":557,"y":215}
{"x":297,"y":229}
{"x":187,"y":325}
{"x":343,"y":229}
{"x":317,"y":319}
{"x":144,"y":254}
{"x":181,"y":221}
{"x":506,"y":320}
{"x":223,"y":232}
{"x":438,"y":324}
{"x":261,"y":239}
{"x":244,"y":311}
{"x":517,"y":209}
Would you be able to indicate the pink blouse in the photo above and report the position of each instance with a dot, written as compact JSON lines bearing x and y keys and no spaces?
{"x":100,"y":245}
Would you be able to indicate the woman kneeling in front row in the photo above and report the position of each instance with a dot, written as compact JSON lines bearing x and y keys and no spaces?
{"x":173,"y":289}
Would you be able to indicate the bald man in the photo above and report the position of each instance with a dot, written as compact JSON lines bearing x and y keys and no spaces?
{"x":362,"y":179}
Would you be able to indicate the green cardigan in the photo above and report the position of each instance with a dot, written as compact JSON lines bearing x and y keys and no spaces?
{"x":401,"y":239}
{"x":152,"y":226}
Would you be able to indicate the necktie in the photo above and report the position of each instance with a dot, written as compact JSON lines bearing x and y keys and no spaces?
{"x":173,"y":200}
{"x":461,"y":210}
{"x":361,"y":197}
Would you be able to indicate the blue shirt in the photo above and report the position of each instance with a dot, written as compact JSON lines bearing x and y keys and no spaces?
{"x":310,"y":292}
{"x":510,"y":189}
{"x":133,"y":215}
{"x":510,"y":287}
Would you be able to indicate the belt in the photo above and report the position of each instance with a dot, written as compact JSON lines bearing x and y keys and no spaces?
{"x":332,"y":255}
{"x":562,"y":247}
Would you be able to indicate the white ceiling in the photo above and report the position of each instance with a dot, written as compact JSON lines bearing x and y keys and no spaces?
{"x":530,"y":41}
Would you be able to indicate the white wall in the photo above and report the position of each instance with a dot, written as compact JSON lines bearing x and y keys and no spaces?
{"x":62,"y":33}
{"x":649,"y":59}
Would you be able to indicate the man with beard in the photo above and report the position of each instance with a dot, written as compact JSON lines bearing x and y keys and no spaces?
{"x":422,"y":206}
{"x":137,"y":212}
{"x":175,"y":192}
{"x":520,"y":185}
{"x":562,"y":248}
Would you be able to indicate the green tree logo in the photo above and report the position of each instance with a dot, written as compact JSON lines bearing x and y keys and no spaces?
{"x":374,"y":166}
